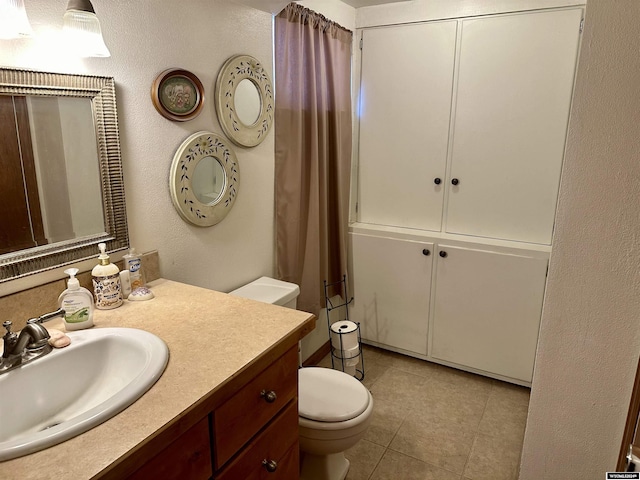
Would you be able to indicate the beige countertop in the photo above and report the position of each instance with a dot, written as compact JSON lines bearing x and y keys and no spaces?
{"x":211,"y":337}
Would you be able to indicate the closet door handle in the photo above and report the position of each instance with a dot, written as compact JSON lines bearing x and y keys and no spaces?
{"x":455,"y":181}
{"x":269,"y":396}
{"x":426,"y":252}
{"x":443,"y":254}
{"x":437,"y":181}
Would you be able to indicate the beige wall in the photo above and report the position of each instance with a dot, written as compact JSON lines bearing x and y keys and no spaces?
{"x":146,"y":37}
{"x":590,"y":335}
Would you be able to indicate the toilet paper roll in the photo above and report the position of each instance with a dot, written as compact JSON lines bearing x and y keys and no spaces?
{"x":347,"y":354}
{"x":349,"y":357}
{"x":344,"y":335}
{"x":351,"y":370}
{"x":353,"y":361}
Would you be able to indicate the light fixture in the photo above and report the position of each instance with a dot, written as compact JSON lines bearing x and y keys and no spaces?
{"x":82,"y":29}
{"x":13,"y":20}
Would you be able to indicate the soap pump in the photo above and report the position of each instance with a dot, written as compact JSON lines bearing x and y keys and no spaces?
{"x":77,"y":303}
{"x":106,"y":282}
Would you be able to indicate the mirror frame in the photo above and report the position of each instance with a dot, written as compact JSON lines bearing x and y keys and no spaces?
{"x":101,"y":92}
{"x":234,"y":70}
{"x":196,"y":147}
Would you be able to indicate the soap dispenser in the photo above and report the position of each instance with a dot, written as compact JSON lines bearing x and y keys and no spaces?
{"x":77,"y":303}
{"x":106,"y":282}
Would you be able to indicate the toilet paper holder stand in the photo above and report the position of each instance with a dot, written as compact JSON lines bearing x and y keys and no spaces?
{"x":344,"y":335}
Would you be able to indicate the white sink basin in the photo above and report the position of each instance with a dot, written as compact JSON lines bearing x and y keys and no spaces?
{"x":73,"y":389}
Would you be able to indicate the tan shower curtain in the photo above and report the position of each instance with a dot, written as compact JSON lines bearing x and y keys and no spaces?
{"x":313,"y":151}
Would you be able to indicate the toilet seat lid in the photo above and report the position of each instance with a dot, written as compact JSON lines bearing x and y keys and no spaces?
{"x":327,"y":395}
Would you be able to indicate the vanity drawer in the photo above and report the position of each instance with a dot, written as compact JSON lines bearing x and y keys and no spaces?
{"x":277,"y":443}
{"x":237,"y":420}
{"x":189,"y":456}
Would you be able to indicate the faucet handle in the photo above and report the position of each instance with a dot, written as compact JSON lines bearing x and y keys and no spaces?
{"x":9,"y":339}
{"x":47,"y":316}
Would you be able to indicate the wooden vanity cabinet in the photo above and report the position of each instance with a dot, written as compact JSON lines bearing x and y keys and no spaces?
{"x":273,"y":454}
{"x":250,"y":433}
{"x":256,"y":404}
{"x":252,"y":408}
{"x":189,"y":456}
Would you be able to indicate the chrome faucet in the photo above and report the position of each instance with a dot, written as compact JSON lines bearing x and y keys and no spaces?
{"x":32,"y":343}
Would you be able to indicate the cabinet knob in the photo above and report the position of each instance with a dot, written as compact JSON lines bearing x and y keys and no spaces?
{"x":426,"y":252}
{"x":270,"y":465}
{"x":437,"y":181}
{"x":443,"y":254}
{"x":269,"y":396}
{"x":455,"y":181}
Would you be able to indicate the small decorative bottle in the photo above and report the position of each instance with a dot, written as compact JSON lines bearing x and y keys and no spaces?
{"x":133,"y":263}
{"x":106,"y":282}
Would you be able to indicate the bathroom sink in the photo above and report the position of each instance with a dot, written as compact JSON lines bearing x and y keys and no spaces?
{"x":73,"y":389}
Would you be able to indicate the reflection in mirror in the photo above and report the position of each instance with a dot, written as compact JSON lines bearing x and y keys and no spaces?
{"x":61,"y":187}
{"x":208,"y":181}
{"x":51,"y":186}
{"x":247,"y":102}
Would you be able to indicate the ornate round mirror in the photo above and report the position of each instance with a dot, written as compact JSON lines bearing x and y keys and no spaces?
{"x":204,"y":179}
{"x":244,"y":100}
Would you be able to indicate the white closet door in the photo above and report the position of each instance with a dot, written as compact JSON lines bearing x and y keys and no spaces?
{"x":487,"y":310}
{"x":513,"y":97}
{"x":392,"y":290}
{"x":405,"y":104}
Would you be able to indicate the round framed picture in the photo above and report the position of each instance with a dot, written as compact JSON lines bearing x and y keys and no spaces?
{"x":177,"y":95}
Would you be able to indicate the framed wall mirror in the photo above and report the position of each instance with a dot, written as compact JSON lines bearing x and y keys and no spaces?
{"x":204,"y":179}
{"x":62,"y":187}
{"x":244,"y":100}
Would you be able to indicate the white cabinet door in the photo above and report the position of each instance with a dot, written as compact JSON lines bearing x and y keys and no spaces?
{"x":405,"y":103}
{"x":514,"y":90}
{"x":487,"y":310}
{"x":392,"y":289}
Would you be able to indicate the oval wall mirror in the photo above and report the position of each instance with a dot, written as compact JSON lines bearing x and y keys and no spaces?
{"x":204,"y":179}
{"x":247,"y":102}
{"x":208,"y":180}
{"x":244,"y":100}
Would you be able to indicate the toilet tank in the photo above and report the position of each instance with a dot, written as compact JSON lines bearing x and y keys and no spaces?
{"x":270,"y":290}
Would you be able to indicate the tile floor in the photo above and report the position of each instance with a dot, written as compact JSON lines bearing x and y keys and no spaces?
{"x":432,"y":422}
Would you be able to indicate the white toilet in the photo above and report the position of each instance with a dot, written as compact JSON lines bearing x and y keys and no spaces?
{"x":334,"y":409}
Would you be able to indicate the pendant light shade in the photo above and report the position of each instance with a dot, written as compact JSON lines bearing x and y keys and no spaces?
{"x":82,"y":29}
{"x":13,"y":20}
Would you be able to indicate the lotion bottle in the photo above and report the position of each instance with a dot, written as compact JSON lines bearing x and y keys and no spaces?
{"x":133,"y":263}
{"x":106,"y":282}
{"x":77,"y":303}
